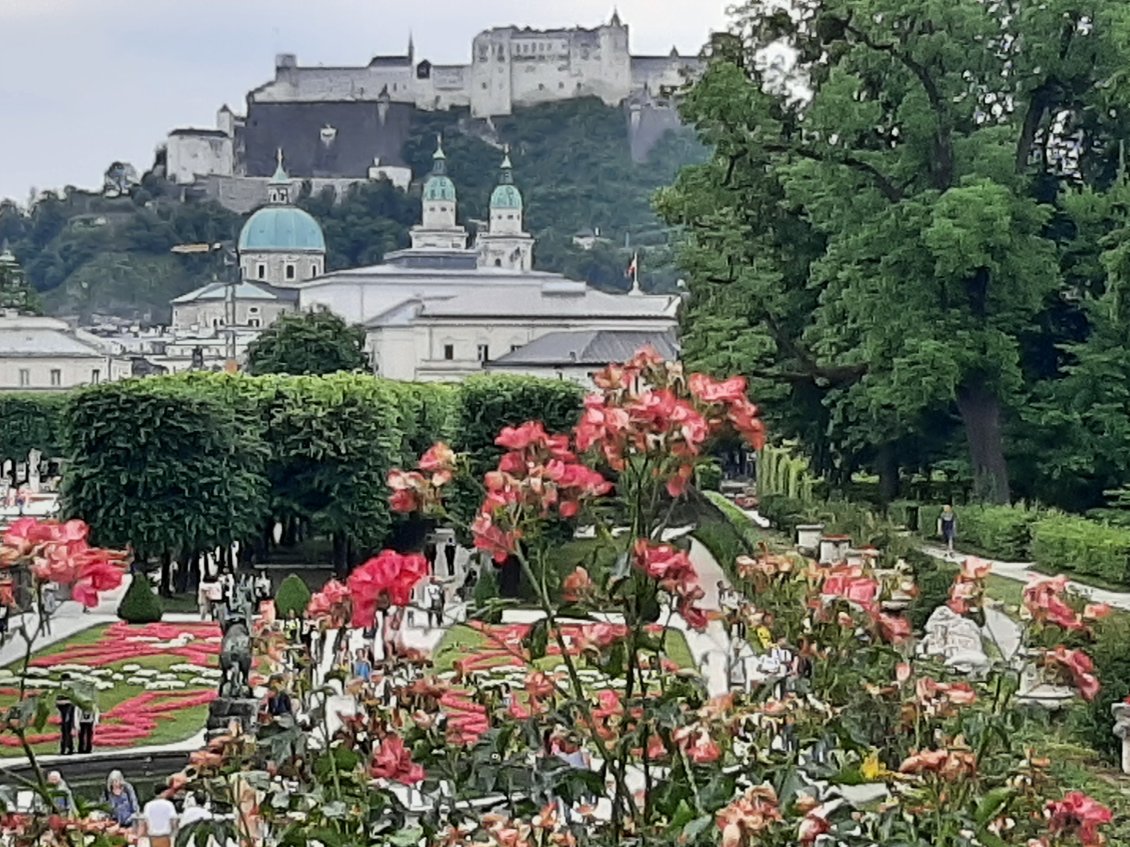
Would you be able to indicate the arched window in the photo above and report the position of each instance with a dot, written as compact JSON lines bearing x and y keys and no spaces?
{"x":498,"y":263}
{"x":289,"y":271}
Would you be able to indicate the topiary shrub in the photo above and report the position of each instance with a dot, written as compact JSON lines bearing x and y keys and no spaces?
{"x":140,"y":604}
{"x":292,"y":595}
{"x":1000,"y":532}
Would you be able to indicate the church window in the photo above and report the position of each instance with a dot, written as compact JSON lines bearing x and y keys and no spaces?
{"x":95,"y":376}
{"x":514,"y":347}
{"x":289,"y":271}
{"x":25,"y":377}
{"x":498,"y":263}
{"x":484,"y":353}
{"x":449,"y":351}
{"x":560,"y":85}
{"x":253,"y":310}
{"x":315,"y":269}
{"x":484,"y":86}
{"x":56,"y":377}
{"x":253,"y":322}
{"x":260,"y":271}
{"x":541,"y":86}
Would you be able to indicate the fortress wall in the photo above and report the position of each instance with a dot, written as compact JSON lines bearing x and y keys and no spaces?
{"x":188,"y":155}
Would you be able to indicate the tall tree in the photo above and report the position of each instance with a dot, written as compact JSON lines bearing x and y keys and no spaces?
{"x":308,"y":343}
{"x":15,"y":293}
{"x":922,"y":163}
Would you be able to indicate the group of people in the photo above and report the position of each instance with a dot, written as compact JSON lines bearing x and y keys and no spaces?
{"x":82,"y":715}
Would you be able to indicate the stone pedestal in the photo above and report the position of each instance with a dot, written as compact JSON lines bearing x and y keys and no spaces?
{"x":808,"y":537}
{"x":224,"y":710}
{"x":834,"y":548}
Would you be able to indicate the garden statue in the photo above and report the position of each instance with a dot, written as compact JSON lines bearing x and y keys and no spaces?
{"x":956,"y":639}
{"x":1121,"y":712}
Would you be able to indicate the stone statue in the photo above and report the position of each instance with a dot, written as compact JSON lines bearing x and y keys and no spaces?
{"x":235,"y":649}
{"x":33,"y":481}
{"x":956,"y":639}
{"x":1121,"y":713}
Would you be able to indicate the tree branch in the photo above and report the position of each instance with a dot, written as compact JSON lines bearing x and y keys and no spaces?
{"x":943,"y":166}
{"x":888,"y":189}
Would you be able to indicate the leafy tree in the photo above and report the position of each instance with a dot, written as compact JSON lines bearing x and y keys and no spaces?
{"x":919,"y":180}
{"x":31,"y":422}
{"x":14,"y":290}
{"x":309,"y":343}
{"x":164,"y":466}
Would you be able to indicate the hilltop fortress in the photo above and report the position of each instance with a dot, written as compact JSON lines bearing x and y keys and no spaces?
{"x":341,"y":124}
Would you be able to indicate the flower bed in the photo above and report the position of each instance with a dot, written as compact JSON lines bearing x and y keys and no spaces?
{"x":153,"y":682}
{"x":491,"y":655}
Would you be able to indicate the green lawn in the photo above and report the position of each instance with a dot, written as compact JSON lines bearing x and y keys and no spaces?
{"x":171,"y":727}
{"x":461,"y":641}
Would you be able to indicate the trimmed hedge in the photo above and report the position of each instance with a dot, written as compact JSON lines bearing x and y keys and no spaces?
{"x":1000,"y":532}
{"x":784,"y":513}
{"x":293,"y":595}
{"x":140,"y":604}
{"x":1109,"y":652}
{"x":31,"y":422}
{"x":1079,"y":546}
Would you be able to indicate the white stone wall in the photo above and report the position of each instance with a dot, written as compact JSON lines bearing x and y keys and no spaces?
{"x":212,"y":314}
{"x":190,"y":155}
{"x":506,"y":251}
{"x":281,"y":269}
{"x":26,"y":373}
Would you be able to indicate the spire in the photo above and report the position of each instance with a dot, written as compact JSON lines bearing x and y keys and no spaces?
{"x":411,"y":48}
{"x":506,"y":177}
{"x":439,"y":160}
{"x":280,"y":173}
{"x":615,"y":17}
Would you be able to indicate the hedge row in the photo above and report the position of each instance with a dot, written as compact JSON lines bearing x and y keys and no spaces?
{"x":31,"y":422}
{"x":1000,"y":532}
{"x":181,"y":464}
{"x":1080,"y":546}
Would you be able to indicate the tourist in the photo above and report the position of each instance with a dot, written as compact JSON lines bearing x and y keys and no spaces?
{"x":782,"y":656}
{"x":292,"y":627}
{"x":449,"y":550}
{"x":278,"y":701}
{"x":61,"y":796}
{"x":947,"y":528}
{"x":764,"y":632}
{"x":195,"y":809}
{"x":159,"y":819}
{"x":467,"y":589}
{"x":362,"y":667}
{"x":66,"y":718}
{"x":737,"y":673}
{"x":434,"y":601}
{"x":262,"y":586}
{"x":121,"y":799}
{"x":87,"y":719}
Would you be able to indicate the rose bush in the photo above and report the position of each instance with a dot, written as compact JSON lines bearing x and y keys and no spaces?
{"x":673,"y":762}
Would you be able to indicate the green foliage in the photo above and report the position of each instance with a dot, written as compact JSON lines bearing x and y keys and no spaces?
{"x":784,"y":513}
{"x":708,"y":476}
{"x":293,"y":596}
{"x":140,"y":604}
{"x":908,"y":513}
{"x":164,"y":465}
{"x":781,"y":471}
{"x":899,"y":273}
{"x":486,"y":589}
{"x":15,"y":293}
{"x":1000,"y":532}
{"x":933,"y":579}
{"x":1112,"y":666}
{"x":31,"y":422}
{"x":488,"y":403}
{"x":317,"y":342}
{"x":1075,"y":545}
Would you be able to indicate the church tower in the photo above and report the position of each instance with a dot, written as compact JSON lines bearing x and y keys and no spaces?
{"x":506,"y":244}
{"x":438,"y":229}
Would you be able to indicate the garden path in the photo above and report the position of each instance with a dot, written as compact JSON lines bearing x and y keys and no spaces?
{"x":1023,"y":572}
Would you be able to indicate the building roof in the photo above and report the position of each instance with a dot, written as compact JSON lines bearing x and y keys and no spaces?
{"x":282,"y":229}
{"x":589,"y":347}
{"x":563,"y":299}
{"x":207,"y":133}
{"x":243,"y":291}
{"x":27,"y":336}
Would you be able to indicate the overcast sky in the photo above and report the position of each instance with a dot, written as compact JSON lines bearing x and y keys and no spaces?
{"x":87,"y":82}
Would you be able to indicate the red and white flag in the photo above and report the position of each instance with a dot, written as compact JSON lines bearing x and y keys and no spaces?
{"x":634,"y":268}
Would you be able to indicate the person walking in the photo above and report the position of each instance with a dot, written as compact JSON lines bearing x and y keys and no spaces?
{"x":947,"y":528}
{"x":449,"y":555}
{"x":433,"y":596}
{"x":195,"y":810}
{"x":87,"y":720}
{"x":121,"y":799}
{"x":66,"y":710}
{"x":159,"y":819}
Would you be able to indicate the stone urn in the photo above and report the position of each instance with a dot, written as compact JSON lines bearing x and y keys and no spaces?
{"x":1121,"y":713}
{"x":834,"y":548}
{"x":808,"y":536}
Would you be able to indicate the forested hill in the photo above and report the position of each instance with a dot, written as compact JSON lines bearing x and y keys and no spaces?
{"x":88,"y":254}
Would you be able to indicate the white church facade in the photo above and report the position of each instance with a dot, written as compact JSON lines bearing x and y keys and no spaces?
{"x":440,"y":310}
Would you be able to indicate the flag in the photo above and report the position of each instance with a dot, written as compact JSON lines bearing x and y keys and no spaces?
{"x":634,"y":268}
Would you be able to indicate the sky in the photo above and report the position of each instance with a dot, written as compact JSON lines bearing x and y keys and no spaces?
{"x":84,"y":83}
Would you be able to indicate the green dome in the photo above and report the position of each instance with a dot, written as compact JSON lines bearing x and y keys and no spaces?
{"x":281,"y":228}
{"x":506,"y":197}
{"x":439,"y":187}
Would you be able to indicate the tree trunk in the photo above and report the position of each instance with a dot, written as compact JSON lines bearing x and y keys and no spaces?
{"x":887,"y":464}
{"x":166,"y":574}
{"x":980,"y":410}
{"x":341,"y":555}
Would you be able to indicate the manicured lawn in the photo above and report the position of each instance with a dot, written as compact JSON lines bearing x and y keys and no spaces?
{"x":152,"y":683}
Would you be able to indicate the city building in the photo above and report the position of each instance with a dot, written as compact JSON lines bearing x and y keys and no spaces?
{"x":576,"y":355}
{"x":45,"y":354}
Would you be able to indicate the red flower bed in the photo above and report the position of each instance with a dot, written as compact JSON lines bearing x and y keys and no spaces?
{"x":119,"y":643}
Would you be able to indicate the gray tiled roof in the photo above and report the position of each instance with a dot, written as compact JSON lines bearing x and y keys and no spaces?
{"x":590,"y":347}
{"x":27,"y":337}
